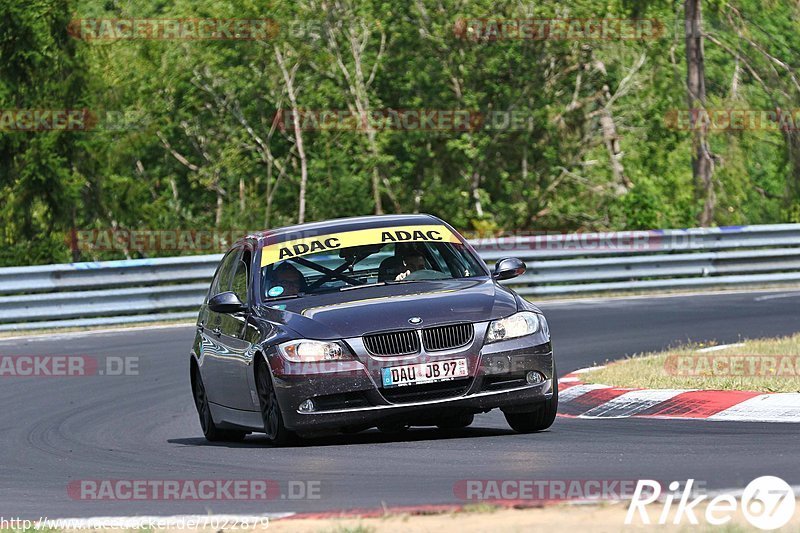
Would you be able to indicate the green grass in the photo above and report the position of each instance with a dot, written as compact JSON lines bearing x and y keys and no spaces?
{"x":761,"y":365}
{"x":479,"y":508}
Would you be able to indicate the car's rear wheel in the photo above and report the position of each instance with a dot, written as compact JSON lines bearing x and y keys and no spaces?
{"x":210,"y":430}
{"x":539,"y":418}
{"x":274,"y":428}
{"x":460,"y":420}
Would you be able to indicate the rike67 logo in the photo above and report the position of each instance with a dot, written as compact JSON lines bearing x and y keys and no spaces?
{"x":768,"y":503}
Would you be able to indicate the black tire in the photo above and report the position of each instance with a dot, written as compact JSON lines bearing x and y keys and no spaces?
{"x":210,"y":430}
{"x":458,"y":421}
{"x":274,"y":428}
{"x":540,"y":417}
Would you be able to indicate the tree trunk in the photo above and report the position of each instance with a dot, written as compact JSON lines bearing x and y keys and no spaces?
{"x":218,"y":211}
{"x":702,"y":161}
{"x":475,"y":183}
{"x":792,"y":140}
{"x":298,"y":134}
{"x":358,"y":85}
{"x":268,"y":195}
{"x":611,"y":139}
{"x":373,"y":147}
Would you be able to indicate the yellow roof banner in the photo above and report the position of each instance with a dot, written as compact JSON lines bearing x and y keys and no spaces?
{"x":334,"y":241}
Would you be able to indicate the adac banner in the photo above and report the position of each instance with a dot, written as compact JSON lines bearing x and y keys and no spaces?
{"x":334,"y":241}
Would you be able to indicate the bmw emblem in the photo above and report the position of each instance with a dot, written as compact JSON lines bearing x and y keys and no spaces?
{"x":415,"y":320}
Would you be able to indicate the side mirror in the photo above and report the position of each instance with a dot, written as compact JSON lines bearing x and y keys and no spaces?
{"x":507,"y":268}
{"x":226,"y":302}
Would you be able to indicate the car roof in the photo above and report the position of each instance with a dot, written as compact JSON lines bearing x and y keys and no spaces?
{"x":336,"y":225}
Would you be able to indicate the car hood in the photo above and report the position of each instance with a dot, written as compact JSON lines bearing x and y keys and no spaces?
{"x":356,"y":312}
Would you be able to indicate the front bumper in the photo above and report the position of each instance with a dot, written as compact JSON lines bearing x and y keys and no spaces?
{"x":349,"y":394}
{"x":427,"y":411}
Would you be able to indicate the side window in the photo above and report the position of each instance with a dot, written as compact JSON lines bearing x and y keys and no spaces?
{"x":224,"y":278}
{"x":241,"y":277}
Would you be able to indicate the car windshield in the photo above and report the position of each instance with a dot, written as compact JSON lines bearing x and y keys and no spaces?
{"x":298,"y":271}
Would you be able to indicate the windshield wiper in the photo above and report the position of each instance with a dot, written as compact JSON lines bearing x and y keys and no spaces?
{"x":381,"y":283}
{"x":284,"y":297}
{"x":351,"y":287}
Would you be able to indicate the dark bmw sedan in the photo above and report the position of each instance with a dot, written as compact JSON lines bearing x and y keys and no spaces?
{"x":349,"y":324}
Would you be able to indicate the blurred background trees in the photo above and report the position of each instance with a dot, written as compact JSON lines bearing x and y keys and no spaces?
{"x":187,"y":137}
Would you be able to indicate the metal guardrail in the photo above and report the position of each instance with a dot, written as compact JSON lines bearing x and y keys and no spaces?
{"x":139,"y":290}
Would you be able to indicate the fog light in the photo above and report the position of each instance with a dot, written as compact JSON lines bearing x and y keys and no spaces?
{"x":307,"y":406}
{"x":534,"y":378}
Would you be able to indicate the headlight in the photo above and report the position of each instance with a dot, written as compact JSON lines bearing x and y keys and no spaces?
{"x":308,"y":351}
{"x":511,"y":327}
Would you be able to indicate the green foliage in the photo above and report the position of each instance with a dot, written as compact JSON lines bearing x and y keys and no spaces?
{"x":187,"y":137}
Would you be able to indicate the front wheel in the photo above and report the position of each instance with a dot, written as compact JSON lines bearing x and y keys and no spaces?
{"x":210,"y":430}
{"x":539,"y":418}
{"x":276,"y":431}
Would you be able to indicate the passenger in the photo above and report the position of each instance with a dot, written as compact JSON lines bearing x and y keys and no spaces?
{"x":288,"y":278}
{"x":390,"y":268}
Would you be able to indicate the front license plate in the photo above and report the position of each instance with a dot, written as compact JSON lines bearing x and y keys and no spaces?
{"x":396,"y":376}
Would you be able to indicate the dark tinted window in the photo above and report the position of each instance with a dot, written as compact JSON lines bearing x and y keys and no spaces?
{"x":223,"y":281}
{"x":240,"y":281}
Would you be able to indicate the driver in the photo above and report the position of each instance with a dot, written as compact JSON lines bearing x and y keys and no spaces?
{"x":413,"y":262}
{"x":287,"y":277}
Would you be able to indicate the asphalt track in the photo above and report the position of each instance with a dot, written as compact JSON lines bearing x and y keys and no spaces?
{"x":57,"y":430}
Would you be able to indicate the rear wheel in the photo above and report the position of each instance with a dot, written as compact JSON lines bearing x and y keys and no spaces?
{"x":540,"y":417}
{"x":458,"y":421}
{"x":276,"y":431}
{"x":210,"y":430}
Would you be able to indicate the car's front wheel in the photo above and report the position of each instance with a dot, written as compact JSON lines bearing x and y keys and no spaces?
{"x":539,"y":418}
{"x":276,"y":431}
{"x":210,"y":430}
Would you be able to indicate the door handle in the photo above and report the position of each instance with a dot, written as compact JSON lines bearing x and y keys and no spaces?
{"x":200,"y":327}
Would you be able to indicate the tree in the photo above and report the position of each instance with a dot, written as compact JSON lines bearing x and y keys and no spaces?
{"x":702,"y":159}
